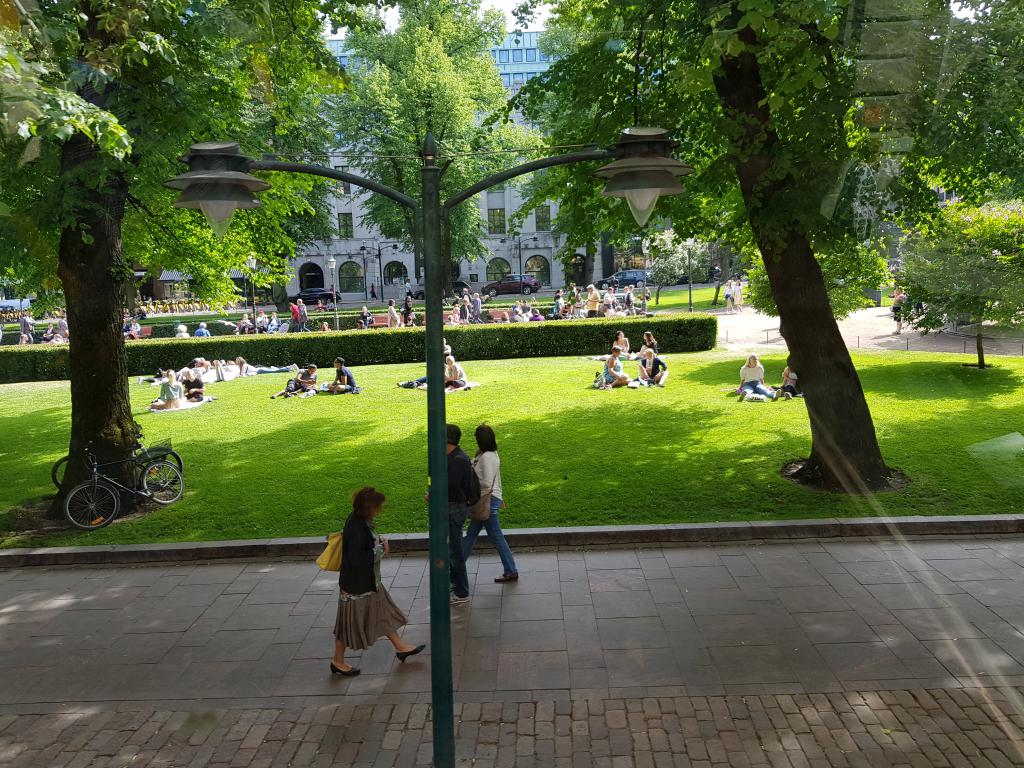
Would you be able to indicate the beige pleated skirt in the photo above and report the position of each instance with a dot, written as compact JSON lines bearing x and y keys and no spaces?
{"x":362,"y":622}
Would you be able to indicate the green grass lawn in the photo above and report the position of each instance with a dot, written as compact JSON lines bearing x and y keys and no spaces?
{"x":571,"y":455}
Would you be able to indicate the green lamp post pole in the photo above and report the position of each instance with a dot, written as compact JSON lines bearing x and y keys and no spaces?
{"x":218,"y":182}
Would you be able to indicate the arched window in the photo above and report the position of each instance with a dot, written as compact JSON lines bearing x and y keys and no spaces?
{"x":497,"y":269}
{"x":310,"y":276}
{"x":538,"y":267}
{"x":350,"y":278}
{"x":395,"y":273}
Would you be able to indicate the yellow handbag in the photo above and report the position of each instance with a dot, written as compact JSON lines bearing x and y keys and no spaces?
{"x":330,"y":558}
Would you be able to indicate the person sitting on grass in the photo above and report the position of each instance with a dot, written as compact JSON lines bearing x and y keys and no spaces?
{"x":454,"y":376}
{"x":535,"y":314}
{"x":790,"y":384}
{"x":303,"y":385}
{"x":622,"y":342}
{"x":652,"y":370}
{"x":613,"y":376}
{"x":649,"y":343}
{"x":752,"y":380}
{"x":421,"y":382}
{"x":172,"y":394}
{"x":193,"y":386}
{"x":344,"y":381}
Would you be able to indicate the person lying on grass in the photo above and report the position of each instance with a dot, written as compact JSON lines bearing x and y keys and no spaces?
{"x":651,"y":370}
{"x":613,"y":376}
{"x":421,"y":382}
{"x":752,"y":381}
{"x":344,"y":381}
{"x":303,"y":385}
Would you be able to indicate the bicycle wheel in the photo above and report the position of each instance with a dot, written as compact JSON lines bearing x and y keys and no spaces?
{"x":92,"y":504}
{"x":162,"y":482}
{"x":57,"y":471}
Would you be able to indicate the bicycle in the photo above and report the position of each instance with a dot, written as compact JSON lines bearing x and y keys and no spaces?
{"x":158,"y":451}
{"x":96,"y":502}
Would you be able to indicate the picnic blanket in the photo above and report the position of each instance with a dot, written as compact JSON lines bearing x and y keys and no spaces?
{"x":185,"y":406}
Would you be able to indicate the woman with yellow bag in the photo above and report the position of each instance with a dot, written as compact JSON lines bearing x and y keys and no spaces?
{"x":365,"y":609}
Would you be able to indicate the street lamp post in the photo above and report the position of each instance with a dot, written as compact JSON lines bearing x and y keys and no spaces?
{"x":219,"y":180}
{"x":331,"y":264}
{"x":380,"y":263}
{"x":250,"y":263}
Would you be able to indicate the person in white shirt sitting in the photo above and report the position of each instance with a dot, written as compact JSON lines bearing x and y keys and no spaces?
{"x":752,"y":380}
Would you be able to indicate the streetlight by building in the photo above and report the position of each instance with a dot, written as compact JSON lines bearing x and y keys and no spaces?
{"x":219,"y":180}
{"x":519,"y":244}
{"x":250,"y":264}
{"x":331,"y":264}
{"x":365,"y":252}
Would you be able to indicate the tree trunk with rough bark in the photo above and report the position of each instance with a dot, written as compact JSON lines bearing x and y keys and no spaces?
{"x":93,"y":274}
{"x":844,"y":455}
{"x":979,"y":343}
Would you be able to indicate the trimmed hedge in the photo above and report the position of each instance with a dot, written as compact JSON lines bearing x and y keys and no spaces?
{"x":675,"y":333}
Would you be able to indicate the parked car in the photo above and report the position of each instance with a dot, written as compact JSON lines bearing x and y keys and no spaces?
{"x":624,"y":277}
{"x":458,"y":286}
{"x":524,"y":284}
{"x":310,"y":296}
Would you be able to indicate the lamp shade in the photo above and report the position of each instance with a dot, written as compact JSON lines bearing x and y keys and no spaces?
{"x":331,"y":263}
{"x":217,"y":183}
{"x":643,"y":170}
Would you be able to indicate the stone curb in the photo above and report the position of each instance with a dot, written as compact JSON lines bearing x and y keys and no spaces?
{"x":599,"y":535}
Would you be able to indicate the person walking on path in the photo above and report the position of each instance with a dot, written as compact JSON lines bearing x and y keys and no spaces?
{"x":303,"y":318}
{"x":899,"y":299}
{"x":365,"y":609}
{"x":460,"y":489}
{"x":487,"y":466}
{"x":728,"y":297}
{"x":737,"y":295}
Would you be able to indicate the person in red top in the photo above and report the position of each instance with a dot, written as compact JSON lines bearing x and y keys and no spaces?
{"x":295,"y":311}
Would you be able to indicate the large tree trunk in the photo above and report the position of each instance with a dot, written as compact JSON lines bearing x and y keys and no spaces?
{"x":979,"y":343}
{"x":844,"y":448}
{"x":93,"y":273}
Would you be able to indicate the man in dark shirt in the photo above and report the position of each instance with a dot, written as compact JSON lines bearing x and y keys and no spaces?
{"x":459,"y":470}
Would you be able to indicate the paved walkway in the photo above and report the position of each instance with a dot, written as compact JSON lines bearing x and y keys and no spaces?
{"x":828,"y":654}
{"x":870,"y":328}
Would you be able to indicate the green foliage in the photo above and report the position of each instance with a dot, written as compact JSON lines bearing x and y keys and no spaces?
{"x":849,"y":270}
{"x":968,"y":265}
{"x":173,"y":73}
{"x":374,"y":347}
{"x":672,"y":257}
{"x":434,"y":72}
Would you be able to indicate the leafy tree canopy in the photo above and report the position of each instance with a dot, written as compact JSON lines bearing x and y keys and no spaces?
{"x":433,"y":73}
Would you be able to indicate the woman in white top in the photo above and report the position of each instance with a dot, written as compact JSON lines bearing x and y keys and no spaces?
{"x":182,"y":332}
{"x":394,"y":321}
{"x":737,"y":295}
{"x":728,"y":296}
{"x":488,"y":471}
{"x":752,"y":380}
{"x":790,"y":384}
{"x":454,"y":376}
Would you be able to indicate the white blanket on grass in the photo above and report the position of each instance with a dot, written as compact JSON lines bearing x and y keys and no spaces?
{"x":186,"y":404}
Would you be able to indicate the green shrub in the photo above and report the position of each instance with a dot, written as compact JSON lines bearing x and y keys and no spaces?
{"x":675,"y":333}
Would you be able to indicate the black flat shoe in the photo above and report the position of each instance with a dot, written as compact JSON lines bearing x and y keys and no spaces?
{"x":505,"y":578}
{"x":402,"y":656}
{"x":347,"y":673}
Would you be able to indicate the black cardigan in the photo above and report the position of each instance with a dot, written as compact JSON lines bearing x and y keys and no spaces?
{"x":357,"y":575}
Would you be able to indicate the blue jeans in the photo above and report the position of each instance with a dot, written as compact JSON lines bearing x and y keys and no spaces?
{"x":494,"y":533}
{"x":758,"y":387}
{"x":456,"y":560}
